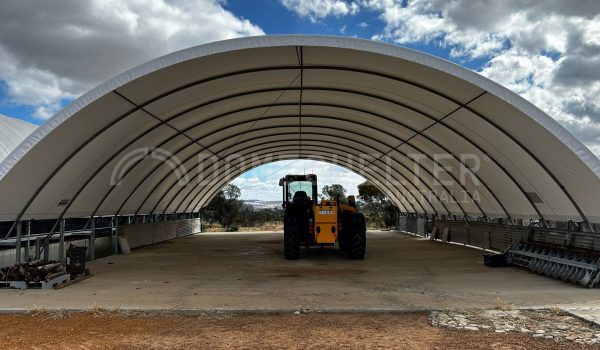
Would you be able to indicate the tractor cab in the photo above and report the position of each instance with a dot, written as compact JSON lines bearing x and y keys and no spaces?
{"x":299,"y":189}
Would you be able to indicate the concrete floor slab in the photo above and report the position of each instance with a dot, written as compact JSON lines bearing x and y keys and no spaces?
{"x":247,"y":271}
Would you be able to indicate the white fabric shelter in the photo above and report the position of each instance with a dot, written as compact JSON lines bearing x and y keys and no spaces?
{"x":12,"y":132}
{"x":436,"y":137}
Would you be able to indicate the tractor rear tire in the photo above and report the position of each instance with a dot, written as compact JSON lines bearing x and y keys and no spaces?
{"x":358,"y":238}
{"x":291,"y":243}
{"x":343,"y":244}
{"x":344,"y":237}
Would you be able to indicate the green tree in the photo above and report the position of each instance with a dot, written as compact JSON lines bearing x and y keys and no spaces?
{"x":252,"y":217}
{"x":335,"y":191}
{"x":225,"y":207}
{"x":390,"y":214}
{"x":231,"y":191}
{"x":368,"y":192}
{"x":230,"y":212}
{"x":376,"y":206}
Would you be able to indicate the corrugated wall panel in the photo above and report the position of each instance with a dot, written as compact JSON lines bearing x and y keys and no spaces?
{"x":411,"y":224}
{"x":139,"y":235}
{"x":484,"y":235}
{"x":402,"y":223}
{"x":500,"y":237}
{"x":421,"y":226}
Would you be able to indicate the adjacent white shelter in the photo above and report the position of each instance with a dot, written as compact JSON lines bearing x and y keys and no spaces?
{"x":12,"y":132}
{"x":164,"y":137}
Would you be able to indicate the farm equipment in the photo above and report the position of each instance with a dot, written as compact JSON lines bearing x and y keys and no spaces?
{"x":35,"y":274}
{"x":308,"y":222}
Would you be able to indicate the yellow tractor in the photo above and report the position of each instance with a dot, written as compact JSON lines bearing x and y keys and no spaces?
{"x":308,"y":222}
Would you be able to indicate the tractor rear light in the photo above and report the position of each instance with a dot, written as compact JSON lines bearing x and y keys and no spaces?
{"x":318,"y":229}
{"x":332,"y":229}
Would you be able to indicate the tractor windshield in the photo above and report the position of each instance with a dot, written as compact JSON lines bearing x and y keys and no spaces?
{"x":297,"y":186}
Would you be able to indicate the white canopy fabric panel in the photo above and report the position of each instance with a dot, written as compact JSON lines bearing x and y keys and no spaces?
{"x":436,"y":137}
{"x":12,"y":132}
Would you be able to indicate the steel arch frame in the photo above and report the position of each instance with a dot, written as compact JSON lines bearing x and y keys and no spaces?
{"x":277,"y":150}
{"x":286,"y":133}
{"x":434,"y":179}
{"x":517,"y":142}
{"x":349,"y":108}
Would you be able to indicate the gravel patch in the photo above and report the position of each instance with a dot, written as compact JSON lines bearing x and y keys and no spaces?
{"x":539,"y":324}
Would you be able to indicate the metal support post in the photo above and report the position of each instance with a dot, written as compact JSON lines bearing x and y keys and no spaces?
{"x":112,"y":233}
{"x":38,"y":248}
{"x":46,"y":249}
{"x":61,"y":245}
{"x":92,"y":243}
{"x":28,"y":243}
{"x":18,"y":242}
{"x":116,"y":235}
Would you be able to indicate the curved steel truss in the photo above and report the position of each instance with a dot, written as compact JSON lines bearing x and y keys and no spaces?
{"x":437,"y":138}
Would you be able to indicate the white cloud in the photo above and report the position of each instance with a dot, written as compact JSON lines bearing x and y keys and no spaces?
{"x":46,"y":110}
{"x":319,"y":9}
{"x":547,"y":51}
{"x":262,"y":182}
{"x":471,"y":29}
{"x":51,"y":51}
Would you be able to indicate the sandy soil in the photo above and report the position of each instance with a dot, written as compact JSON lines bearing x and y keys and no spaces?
{"x":306,"y":331}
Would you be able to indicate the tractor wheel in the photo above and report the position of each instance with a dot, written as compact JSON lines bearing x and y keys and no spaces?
{"x":343,"y":244}
{"x":358,"y":238}
{"x":291,"y":243}
{"x":346,"y":232}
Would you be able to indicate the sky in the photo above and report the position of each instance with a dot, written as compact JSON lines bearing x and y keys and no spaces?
{"x":547,"y":51}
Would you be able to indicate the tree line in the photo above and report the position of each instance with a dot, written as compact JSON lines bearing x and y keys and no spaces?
{"x":230,"y":212}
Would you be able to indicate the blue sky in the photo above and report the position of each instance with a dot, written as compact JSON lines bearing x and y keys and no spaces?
{"x":274,"y":18}
{"x":546,"y":51}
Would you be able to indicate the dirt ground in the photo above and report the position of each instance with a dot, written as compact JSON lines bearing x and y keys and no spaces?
{"x":101,"y":330}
